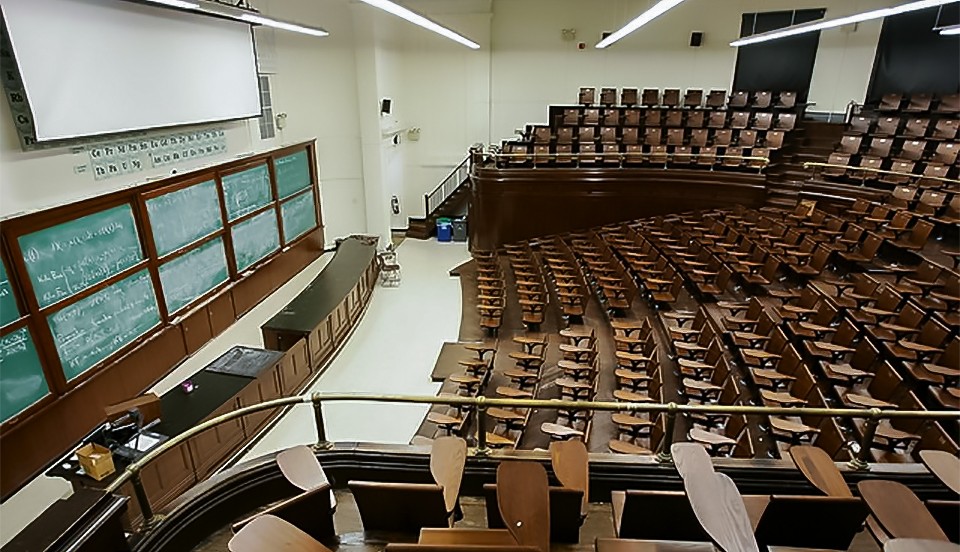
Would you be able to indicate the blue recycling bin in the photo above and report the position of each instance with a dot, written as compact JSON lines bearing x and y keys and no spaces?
{"x":444,"y":232}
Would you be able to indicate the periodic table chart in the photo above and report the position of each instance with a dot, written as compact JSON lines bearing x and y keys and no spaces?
{"x":135,"y":155}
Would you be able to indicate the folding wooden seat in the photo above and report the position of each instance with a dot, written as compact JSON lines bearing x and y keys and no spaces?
{"x":717,"y":119}
{"x":707,"y":156}
{"x":773,"y":139}
{"x":608,"y":135}
{"x":651,"y":97}
{"x":917,"y":238}
{"x":587,"y":95}
{"x":723,"y":137}
{"x":860,"y":366}
{"x":740,"y":119}
{"x":739,"y":99}
{"x":838,"y":520}
{"x":733,"y":157}
{"x":633,"y":154}
{"x":630,"y":135}
{"x":859,"y":125}
{"x":631,"y":117}
{"x":872,"y":165}
{"x":912,"y":150}
{"x":541,"y":154}
{"x":887,"y":126}
{"x":693,"y":97}
{"x":610,"y":116}
{"x":919,"y":102}
{"x":571,"y":117}
{"x":698,"y":137}
{"x":849,"y":144}
{"x":652,"y":136}
{"x":540,"y":134}
{"x":516,"y":153}
{"x":587,"y":135}
{"x":564,"y":512}
{"x":269,"y":532}
{"x":399,"y":507}
{"x":786,"y":100}
{"x":930,"y":202}
{"x":651,"y":117}
{"x":945,"y":129}
{"x":949,"y":103}
{"x":716,"y":98}
{"x":935,"y":171}
{"x":762,"y":100}
{"x":674,"y":136}
{"x":841,"y":160}
{"x":747,"y":138}
{"x":694,"y":119}
{"x":890,"y":102}
{"x":946,"y":153}
{"x":591,"y":116}
{"x":565,"y":135}
{"x":674,"y":118}
{"x":671,"y":97}
{"x":905,"y":168}
{"x":628,"y":96}
{"x":916,"y":128}
{"x":762,"y":121}
{"x":879,"y":147}
{"x":564,"y":153}
{"x":608,"y":96}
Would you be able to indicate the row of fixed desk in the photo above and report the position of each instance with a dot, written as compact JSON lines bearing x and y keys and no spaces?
{"x":300,"y":342}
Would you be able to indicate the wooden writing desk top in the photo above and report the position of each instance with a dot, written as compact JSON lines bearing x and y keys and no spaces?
{"x":720,"y":509}
{"x":630,"y":421}
{"x":919,"y":545}
{"x":943,"y":465}
{"x":503,"y":414}
{"x":558,"y":430}
{"x":789,"y":426}
{"x":629,"y":545}
{"x":869,"y":402}
{"x":626,"y":447}
{"x":630,"y":396}
{"x":817,"y":466}
{"x":513,"y":393}
{"x":708,"y":438}
{"x":899,"y":511}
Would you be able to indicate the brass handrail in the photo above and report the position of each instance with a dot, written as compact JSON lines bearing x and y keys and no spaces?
{"x":622,"y":156}
{"x":873,"y":417}
{"x":810,"y":164}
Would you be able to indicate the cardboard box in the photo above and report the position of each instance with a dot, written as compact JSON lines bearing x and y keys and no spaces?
{"x":96,"y":460}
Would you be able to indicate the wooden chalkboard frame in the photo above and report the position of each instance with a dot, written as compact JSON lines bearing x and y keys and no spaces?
{"x":34,"y":317}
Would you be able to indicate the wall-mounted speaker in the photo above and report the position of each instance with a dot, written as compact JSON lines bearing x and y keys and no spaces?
{"x":696,"y":39}
{"x":605,"y":34}
{"x":385,"y":105}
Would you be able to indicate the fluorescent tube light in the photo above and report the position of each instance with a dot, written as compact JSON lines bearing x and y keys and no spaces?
{"x":831,"y":23}
{"x":656,"y":11}
{"x":417,"y":19}
{"x":185,"y":4}
{"x":268,"y":22}
{"x":951,"y":30}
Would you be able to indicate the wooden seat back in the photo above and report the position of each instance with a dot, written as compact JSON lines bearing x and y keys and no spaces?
{"x":272,"y":533}
{"x":898,"y":511}
{"x":659,"y":515}
{"x":407,"y":547}
{"x":399,"y":507}
{"x":571,"y":465}
{"x":301,"y":468}
{"x":447,"y":458}
{"x":524,"y":501}
{"x":310,"y":512}
{"x":828,"y":522}
{"x":565,"y":512}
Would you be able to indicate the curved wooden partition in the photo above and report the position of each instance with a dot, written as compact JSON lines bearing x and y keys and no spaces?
{"x":511,"y":204}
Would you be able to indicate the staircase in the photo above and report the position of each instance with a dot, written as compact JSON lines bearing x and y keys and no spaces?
{"x":810,"y":142}
{"x":422,"y":228}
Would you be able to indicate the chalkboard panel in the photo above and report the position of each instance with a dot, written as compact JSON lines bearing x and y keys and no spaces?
{"x":184,"y":216}
{"x":91,"y":329}
{"x":246,"y":191}
{"x":8,"y":304}
{"x":191,"y":275}
{"x":255,"y":238}
{"x":22,"y":382}
{"x":299,"y":216}
{"x":72,"y":256}
{"x":292,"y":172}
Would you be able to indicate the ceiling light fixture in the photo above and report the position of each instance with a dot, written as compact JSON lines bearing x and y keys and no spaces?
{"x":831,"y":23}
{"x":656,"y":11}
{"x":277,"y":24}
{"x":417,"y":19}
{"x":951,"y":30}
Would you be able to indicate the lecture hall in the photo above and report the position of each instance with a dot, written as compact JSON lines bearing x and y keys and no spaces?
{"x":480,"y":275}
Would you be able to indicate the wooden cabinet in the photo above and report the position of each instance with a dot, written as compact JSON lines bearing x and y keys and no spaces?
{"x":209,"y":449}
{"x":294,"y":368}
{"x":196,"y":329}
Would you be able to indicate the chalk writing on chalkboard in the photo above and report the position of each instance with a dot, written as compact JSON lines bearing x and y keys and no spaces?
{"x":292,"y":172}
{"x":94,"y":327}
{"x":255,"y":238}
{"x":8,"y":304}
{"x":72,"y":256}
{"x":246,"y":191}
{"x":299,"y":216}
{"x":22,"y":382}
{"x":191,"y":275}
{"x":184,"y":216}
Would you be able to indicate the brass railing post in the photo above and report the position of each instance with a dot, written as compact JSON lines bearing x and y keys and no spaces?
{"x":664,"y":456}
{"x":322,"y":442}
{"x":149,"y":519}
{"x":482,"y":448}
{"x":861,"y":462}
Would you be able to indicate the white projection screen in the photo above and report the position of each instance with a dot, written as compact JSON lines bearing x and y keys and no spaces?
{"x":92,"y":67}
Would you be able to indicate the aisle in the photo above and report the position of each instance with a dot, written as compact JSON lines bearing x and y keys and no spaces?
{"x":392,"y":351}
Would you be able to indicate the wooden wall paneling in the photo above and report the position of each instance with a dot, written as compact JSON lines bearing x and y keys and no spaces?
{"x":196,"y":329}
{"x":253,"y":394}
{"x":168,"y":476}
{"x":209,"y":448}
{"x":295,"y":368}
{"x":221,"y":312}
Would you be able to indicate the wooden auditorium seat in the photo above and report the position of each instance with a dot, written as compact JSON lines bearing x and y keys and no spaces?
{"x":268,"y":532}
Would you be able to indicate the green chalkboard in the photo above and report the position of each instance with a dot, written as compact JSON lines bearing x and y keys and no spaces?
{"x":292,"y":172}
{"x":70,"y":257}
{"x":184,"y":216}
{"x":8,"y":304}
{"x":255,"y":238}
{"x":91,"y":329}
{"x":22,"y":382}
{"x":192,"y":274}
{"x":299,"y":216}
{"x":246,"y":191}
